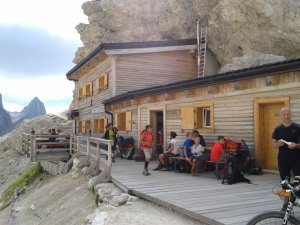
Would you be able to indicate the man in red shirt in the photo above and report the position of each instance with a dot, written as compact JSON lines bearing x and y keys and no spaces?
{"x":217,"y":151}
{"x":146,"y":145}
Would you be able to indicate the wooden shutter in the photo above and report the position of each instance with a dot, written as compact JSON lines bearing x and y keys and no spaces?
{"x":95,"y":126}
{"x":199,"y":117}
{"x":87,"y":126}
{"x":105,"y":122}
{"x":84,"y":92}
{"x":91,"y":89}
{"x":83,"y":127}
{"x":98,"y":84}
{"x":128,"y":121}
{"x":116,"y":122}
{"x":187,"y":118}
{"x":80,"y":127}
{"x":105,"y":84}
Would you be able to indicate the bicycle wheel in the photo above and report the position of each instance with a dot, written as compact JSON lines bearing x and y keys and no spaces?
{"x":272,"y":217}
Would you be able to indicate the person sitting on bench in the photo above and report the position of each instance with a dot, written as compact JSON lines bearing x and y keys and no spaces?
{"x":218,"y":153}
{"x":186,"y":151}
{"x":197,"y":152}
{"x":172,"y":151}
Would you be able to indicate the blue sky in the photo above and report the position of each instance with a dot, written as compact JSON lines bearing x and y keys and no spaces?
{"x":38,"y":41}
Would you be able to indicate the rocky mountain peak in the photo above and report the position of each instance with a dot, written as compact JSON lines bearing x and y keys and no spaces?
{"x":33,"y":109}
{"x":1,"y":103}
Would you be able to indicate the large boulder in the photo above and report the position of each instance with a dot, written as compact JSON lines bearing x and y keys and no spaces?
{"x":250,"y":59}
{"x":234,"y":27}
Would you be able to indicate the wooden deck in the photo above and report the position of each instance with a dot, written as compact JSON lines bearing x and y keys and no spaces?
{"x":202,"y":197}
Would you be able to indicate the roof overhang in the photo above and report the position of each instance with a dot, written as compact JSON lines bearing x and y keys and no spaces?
{"x":232,"y":76}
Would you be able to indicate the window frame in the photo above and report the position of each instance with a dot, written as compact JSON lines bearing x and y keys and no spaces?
{"x":200,"y":108}
{"x":192,"y":117}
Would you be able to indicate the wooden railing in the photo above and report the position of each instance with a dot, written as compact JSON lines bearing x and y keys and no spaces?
{"x":42,"y":147}
{"x":63,"y":147}
{"x":92,"y":147}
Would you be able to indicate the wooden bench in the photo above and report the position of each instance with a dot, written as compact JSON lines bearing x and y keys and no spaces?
{"x":176,"y":159}
{"x":217,"y":165}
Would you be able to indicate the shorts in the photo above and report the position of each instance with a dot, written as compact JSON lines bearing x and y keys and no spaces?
{"x":148,"y":153}
{"x":170,"y":154}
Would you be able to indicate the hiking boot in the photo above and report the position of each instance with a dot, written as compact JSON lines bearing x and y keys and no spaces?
{"x":145,"y":172}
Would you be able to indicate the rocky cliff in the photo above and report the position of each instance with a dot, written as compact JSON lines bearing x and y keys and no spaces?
{"x":5,"y":119}
{"x":270,"y":27}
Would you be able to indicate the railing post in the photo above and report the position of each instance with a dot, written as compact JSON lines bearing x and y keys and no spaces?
{"x":109,"y":153}
{"x":88,"y":152}
{"x":71,"y":144}
{"x":98,"y":154}
{"x":78,"y":146}
{"x":31,"y":149}
{"x":34,"y":148}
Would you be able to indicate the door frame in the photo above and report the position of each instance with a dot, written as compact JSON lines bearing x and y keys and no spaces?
{"x":258,"y":103}
{"x":157,"y":109}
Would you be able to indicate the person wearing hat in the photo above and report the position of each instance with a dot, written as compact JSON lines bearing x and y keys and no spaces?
{"x":172,"y":151}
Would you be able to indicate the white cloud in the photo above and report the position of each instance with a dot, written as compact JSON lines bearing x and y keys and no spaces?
{"x":12,"y":107}
{"x":56,"y":109}
{"x":54,"y":87}
{"x":58,"y":17}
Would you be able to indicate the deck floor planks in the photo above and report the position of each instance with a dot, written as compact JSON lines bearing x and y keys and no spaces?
{"x":203,"y":196}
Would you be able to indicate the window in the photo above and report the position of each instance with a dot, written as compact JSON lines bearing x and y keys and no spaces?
{"x":203,"y":116}
{"x":96,"y":125}
{"x":85,"y":91}
{"x":102,"y":83}
{"x":123,"y":121}
{"x":80,"y":94}
{"x":99,"y":125}
{"x":87,"y":126}
{"x":199,"y":116}
{"x":89,"y":89}
{"x":80,"y":127}
{"x":206,"y":117}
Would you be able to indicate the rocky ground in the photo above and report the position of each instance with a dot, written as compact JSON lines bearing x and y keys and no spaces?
{"x":64,"y":199}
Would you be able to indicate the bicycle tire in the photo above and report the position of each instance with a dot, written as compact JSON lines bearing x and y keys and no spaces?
{"x":272,"y":217}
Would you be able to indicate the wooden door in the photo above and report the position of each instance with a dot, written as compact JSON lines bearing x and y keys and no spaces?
{"x":269,"y":120}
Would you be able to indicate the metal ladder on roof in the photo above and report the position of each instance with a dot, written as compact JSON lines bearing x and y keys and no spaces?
{"x":202,"y":42}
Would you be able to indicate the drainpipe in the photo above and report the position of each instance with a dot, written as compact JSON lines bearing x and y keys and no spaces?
{"x":111,"y":114}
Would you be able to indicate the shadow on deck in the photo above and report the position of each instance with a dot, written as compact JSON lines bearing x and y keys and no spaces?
{"x":202,"y":197}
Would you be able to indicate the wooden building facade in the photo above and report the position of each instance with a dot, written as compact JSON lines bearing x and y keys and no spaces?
{"x":114,"y":69}
{"x":238,"y":104}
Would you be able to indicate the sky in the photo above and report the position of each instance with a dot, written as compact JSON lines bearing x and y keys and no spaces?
{"x":38,"y":41}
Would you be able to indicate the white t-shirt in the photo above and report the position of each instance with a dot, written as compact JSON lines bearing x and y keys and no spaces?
{"x":176,"y":146}
{"x":197,"y":150}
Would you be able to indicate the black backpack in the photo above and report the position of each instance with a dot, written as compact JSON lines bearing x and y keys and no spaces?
{"x":233,"y":171}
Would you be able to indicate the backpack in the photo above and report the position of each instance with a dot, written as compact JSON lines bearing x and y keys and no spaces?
{"x":233,"y":171}
{"x":230,"y":144}
{"x":128,"y":154}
